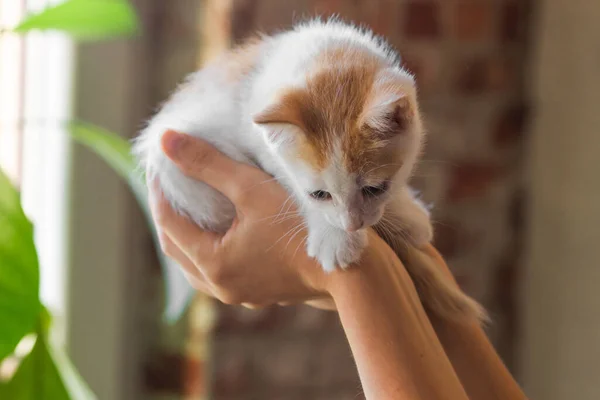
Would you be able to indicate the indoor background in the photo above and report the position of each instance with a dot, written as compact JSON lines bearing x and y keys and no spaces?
{"x":510,"y":91}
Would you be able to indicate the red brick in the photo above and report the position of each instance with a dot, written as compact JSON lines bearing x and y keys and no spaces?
{"x":484,"y":74}
{"x":173,"y":373}
{"x":194,"y":384}
{"x":241,"y":319}
{"x":310,"y":319}
{"x":413,"y":65}
{"x":426,"y":65}
{"x":380,"y":16}
{"x":448,"y":238}
{"x":511,"y":21}
{"x":472,"y":20}
{"x":510,"y":126}
{"x":284,"y":363}
{"x":422,"y":20}
{"x":243,"y":17}
{"x":471,"y":179}
{"x":327,"y":7}
{"x":463,"y":280}
{"x":232,"y":374}
{"x":334,"y":364}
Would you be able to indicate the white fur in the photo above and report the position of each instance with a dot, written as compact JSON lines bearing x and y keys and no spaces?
{"x":209,"y":106}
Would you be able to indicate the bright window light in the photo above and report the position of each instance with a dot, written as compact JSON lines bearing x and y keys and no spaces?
{"x":36,"y":74}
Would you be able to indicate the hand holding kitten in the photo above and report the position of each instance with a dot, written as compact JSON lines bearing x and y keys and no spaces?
{"x":255,"y":261}
{"x":329,"y":112}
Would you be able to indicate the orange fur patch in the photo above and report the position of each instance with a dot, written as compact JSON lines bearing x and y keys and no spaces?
{"x":330,"y":109}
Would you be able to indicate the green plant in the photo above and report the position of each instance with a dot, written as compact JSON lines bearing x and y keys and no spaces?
{"x":45,"y":372}
{"x":85,"y":19}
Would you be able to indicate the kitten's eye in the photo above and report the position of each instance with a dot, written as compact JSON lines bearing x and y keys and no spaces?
{"x":374,"y":191}
{"x":321,"y":195}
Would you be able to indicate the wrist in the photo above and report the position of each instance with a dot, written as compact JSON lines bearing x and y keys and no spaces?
{"x":374,"y":264}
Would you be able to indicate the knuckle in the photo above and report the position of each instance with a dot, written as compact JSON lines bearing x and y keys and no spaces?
{"x":165,"y":244}
{"x":229,"y":297}
{"x":160,"y":217}
{"x":195,"y":254}
{"x":241,"y":195}
{"x":220,"y":276}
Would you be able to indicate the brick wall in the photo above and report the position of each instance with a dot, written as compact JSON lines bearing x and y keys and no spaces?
{"x":469,"y":60}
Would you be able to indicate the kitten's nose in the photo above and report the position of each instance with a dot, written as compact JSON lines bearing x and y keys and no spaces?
{"x":353,"y":223}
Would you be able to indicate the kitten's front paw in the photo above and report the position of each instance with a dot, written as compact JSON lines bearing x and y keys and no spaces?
{"x":336,"y":248}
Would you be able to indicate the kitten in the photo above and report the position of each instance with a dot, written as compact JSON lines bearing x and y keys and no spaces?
{"x":327,"y":109}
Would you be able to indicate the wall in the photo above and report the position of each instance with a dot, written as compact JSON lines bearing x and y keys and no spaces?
{"x":560,"y":356}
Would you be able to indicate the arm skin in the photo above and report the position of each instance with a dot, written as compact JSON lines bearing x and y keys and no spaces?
{"x":395,"y":347}
{"x":481,"y":371}
{"x":397,"y":352}
{"x":381,"y":295}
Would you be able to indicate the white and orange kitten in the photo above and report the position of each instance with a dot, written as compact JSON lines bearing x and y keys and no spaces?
{"x":327,"y":109}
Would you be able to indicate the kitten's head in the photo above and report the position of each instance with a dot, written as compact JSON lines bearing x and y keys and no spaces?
{"x":347,"y":136}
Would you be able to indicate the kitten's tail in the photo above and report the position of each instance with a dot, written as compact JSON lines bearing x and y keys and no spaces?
{"x":438,"y":292}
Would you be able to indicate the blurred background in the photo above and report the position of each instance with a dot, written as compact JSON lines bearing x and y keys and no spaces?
{"x":510,"y":91}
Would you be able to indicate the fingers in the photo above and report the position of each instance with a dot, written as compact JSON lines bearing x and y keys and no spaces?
{"x":322,"y":304}
{"x":197,"y":245}
{"x":194,"y":275}
{"x":199,"y":160}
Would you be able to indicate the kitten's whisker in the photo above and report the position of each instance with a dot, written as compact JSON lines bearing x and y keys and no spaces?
{"x":295,"y":234}
{"x":261,"y":183}
{"x":284,"y":217}
{"x":283,"y":206}
{"x":391,"y":234}
{"x":299,"y":226}
{"x":300,"y":244}
{"x":289,"y":215}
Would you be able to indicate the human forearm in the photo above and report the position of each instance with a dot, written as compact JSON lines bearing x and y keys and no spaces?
{"x":481,"y":372}
{"x":396,"y":350}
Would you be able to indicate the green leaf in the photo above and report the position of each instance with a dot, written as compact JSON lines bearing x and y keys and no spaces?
{"x":116,"y":152}
{"x":45,"y":321}
{"x":36,"y":378}
{"x":19,"y":270}
{"x":85,"y":19}
{"x":45,"y":373}
{"x":72,"y":381}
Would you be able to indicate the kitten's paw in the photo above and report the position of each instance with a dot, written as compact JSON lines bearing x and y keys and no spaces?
{"x":313,"y":244}
{"x":337,"y":248}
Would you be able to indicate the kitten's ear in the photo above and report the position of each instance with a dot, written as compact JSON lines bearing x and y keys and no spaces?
{"x":391,"y":115}
{"x":276,"y":121}
{"x":391,"y":109}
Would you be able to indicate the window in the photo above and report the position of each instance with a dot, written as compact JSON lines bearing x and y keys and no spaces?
{"x":35,"y":90}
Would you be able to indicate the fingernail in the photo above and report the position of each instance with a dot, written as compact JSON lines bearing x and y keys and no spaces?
{"x":172,"y":142}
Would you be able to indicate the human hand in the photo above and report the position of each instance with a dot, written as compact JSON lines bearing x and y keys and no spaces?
{"x":261,"y":259}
